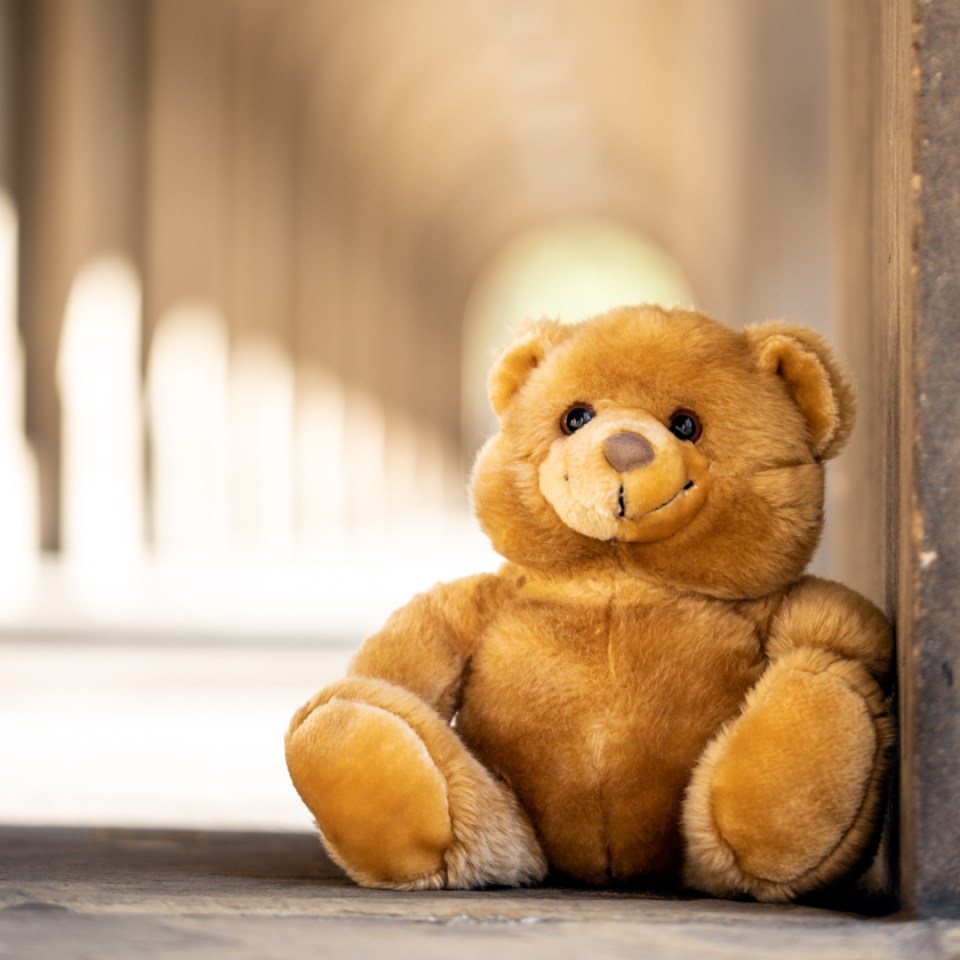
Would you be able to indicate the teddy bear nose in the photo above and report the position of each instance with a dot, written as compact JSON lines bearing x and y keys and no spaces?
{"x":627,"y":451}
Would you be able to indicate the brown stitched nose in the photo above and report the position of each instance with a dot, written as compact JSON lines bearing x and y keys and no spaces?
{"x":627,"y":451}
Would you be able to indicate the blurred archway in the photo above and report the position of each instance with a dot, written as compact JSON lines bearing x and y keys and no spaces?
{"x":568,"y":270}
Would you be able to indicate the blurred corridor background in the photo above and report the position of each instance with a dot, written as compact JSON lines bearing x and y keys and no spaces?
{"x":256,"y":256}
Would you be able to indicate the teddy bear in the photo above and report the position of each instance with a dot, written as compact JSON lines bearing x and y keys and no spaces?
{"x":650,"y":690}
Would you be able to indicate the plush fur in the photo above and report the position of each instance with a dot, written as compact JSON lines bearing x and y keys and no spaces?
{"x":649,"y":689}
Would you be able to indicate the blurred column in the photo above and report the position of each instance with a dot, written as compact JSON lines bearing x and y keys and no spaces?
{"x":19,"y":521}
{"x":9,"y":58}
{"x":79,"y":146}
{"x":402,"y":132}
{"x":367,"y":298}
{"x":441,"y":458}
{"x":422,"y":338}
{"x":340,"y":308}
{"x":318,"y":328}
{"x":452,"y":260}
{"x":189,"y":154}
{"x":261,"y":190}
{"x":187,"y":252}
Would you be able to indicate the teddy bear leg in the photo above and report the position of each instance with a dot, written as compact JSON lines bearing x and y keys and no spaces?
{"x":786,"y":798}
{"x":399,"y":800}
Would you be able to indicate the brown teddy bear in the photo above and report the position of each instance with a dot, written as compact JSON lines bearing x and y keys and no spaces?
{"x":649,"y":689}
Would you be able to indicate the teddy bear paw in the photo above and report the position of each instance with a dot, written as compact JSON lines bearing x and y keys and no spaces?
{"x":379,"y":800}
{"x":786,"y":798}
{"x":399,"y":799}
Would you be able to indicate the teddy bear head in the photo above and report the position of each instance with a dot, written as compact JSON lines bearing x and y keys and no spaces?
{"x":662,"y":444}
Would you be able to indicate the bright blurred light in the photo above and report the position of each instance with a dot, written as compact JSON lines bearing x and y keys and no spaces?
{"x":400,"y":461}
{"x":364,"y":457}
{"x":19,"y":506}
{"x":262,"y":447}
{"x":569,"y":270}
{"x":99,"y":379}
{"x":577,"y":268}
{"x":187,"y":395}
{"x":437,"y":465}
{"x":320,"y":453}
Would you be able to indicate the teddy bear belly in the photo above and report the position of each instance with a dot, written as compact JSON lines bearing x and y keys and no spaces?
{"x":607,"y":811}
{"x":599,"y":749}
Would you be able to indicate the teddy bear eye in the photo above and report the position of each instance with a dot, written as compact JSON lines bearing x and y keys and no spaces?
{"x":686,"y":425}
{"x":577,"y":416}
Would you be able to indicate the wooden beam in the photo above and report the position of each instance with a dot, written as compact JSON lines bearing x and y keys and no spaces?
{"x":930,"y":592}
{"x":899,"y":244}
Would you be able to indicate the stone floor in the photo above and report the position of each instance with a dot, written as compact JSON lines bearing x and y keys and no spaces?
{"x":114,"y":894}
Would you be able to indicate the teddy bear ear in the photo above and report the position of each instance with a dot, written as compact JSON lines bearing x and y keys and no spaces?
{"x":815,"y":379}
{"x":534,"y":340}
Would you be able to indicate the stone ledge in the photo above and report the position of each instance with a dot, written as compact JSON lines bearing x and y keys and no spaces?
{"x":109,"y":893}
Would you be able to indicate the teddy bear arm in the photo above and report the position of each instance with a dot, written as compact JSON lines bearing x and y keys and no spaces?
{"x":826,"y":615}
{"x":425,"y":645}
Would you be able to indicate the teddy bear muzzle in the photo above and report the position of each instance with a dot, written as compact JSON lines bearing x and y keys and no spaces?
{"x":631,"y":482}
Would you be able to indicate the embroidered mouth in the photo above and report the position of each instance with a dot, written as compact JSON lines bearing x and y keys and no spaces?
{"x":687,"y":486}
{"x":622,"y":500}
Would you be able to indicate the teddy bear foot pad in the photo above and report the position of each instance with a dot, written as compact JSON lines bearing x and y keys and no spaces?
{"x":399,"y":800}
{"x":782,"y":798}
{"x":397,"y":793}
